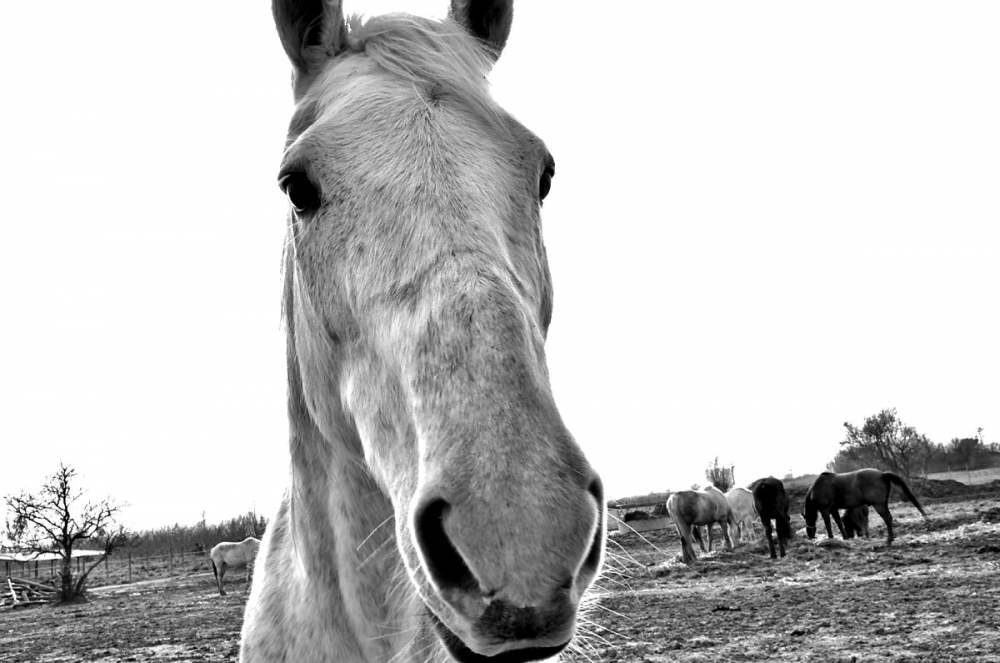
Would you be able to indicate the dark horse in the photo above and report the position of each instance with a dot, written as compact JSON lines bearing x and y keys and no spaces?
{"x":856,"y":522}
{"x":771,"y":502}
{"x":851,"y":489}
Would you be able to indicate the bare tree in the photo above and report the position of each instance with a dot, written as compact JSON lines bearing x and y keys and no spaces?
{"x":57,"y":520}
{"x":722,"y":478}
{"x":884,"y":441}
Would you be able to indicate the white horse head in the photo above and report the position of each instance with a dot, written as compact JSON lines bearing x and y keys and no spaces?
{"x":417,"y":302}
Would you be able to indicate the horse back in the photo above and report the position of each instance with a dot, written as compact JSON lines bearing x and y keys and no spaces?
{"x":849,"y":490}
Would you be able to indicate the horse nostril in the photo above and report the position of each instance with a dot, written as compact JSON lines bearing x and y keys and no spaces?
{"x":596,"y":488}
{"x":444,"y":563}
{"x":593,"y":559}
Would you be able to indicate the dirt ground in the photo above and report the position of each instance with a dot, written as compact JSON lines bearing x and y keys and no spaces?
{"x":933,"y":596}
{"x":173,"y":619}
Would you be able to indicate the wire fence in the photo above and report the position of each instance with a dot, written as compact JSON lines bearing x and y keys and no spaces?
{"x":121,"y":567}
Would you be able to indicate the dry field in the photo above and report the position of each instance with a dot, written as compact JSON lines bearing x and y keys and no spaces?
{"x":933,"y":596}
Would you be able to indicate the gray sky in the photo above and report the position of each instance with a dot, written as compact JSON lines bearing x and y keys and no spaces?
{"x":768,"y":219}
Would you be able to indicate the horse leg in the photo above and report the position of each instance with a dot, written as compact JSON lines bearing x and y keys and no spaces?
{"x":727,"y":534}
{"x":839,"y":521}
{"x":709,"y":526}
{"x":826,"y":521}
{"x":696,"y":536}
{"x":883,"y":510}
{"x":770,"y":539}
{"x":687,"y":547}
{"x":222,"y":573}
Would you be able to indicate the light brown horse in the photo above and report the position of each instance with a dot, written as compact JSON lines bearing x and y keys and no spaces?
{"x":689,"y":509}
{"x":438,"y":508}
{"x":228,"y":555}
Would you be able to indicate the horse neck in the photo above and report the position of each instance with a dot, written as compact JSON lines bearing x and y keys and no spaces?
{"x":342,"y":535}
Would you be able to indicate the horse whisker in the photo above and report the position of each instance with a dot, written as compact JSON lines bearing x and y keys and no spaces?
{"x":605,"y":628}
{"x":380,"y":525}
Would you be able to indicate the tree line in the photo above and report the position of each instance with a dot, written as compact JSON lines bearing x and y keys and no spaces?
{"x":884,"y":441}
{"x":201,"y":536}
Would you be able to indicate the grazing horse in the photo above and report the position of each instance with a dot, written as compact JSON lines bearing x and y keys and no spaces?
{"x":228,"y":555}
{"x":771,"y":503}
{"x":741,"y":502}
{"x":830,"y":492}
{"x":690,"y":509}
{"x":437,"y":507}
{"x":856,"y":522}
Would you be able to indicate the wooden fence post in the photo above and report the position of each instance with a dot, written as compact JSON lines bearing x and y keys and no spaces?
{"x":171,"y":560}
{"x":130,"y":566}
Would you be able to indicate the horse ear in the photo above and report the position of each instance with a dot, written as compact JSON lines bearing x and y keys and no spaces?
{"x":311,"y":32}
{"x":489,"y":20}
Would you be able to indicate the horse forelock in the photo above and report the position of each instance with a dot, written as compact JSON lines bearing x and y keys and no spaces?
{"x":425,"y":51}
{"x":440,"y":59}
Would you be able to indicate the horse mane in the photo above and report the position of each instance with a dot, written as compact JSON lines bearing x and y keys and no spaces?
{"x":437,"y":55}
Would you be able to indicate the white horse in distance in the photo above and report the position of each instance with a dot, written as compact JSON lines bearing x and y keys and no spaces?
{"x":741,"y":502}
{"x":233,"y":555}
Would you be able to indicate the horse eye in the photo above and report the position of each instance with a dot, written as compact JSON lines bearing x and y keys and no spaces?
{"x":545,"y":183}
{"x":301,"y":192}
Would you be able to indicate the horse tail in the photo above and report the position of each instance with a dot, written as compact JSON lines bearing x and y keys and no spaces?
{"x":215,"y":572}
{"x":891,"y":478}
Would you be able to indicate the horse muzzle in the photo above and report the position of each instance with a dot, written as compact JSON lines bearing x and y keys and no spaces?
{"x":506,"y":634}
{"x":504,"y":594}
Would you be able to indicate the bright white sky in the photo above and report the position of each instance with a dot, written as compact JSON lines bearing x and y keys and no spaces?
{"x":769,"y":218}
